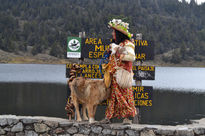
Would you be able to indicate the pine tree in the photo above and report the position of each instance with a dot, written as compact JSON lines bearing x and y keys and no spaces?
{"x":176,"y":58}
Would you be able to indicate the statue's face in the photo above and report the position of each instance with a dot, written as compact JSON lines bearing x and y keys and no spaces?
{"x":113,"y":34}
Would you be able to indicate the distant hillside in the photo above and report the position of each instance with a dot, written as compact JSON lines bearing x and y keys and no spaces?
{"x":44,"y":25}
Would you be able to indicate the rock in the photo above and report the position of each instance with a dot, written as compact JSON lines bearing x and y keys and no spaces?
{"x":72,"y":130}
{"x":51,"y":124}
{"x":20,"y":134}
{"x":76,"y":125}
{"x":132,"y":133}
{"x":17,"y":128}
{"x":3,"y":122}
{"x":187,"y":132}
{"x":96,"y":129}
{"x":30,"y":133}
{"x":105,"y":126}
{"x":93,"y":134}
{"x":106,"y":132}
{"x":65,"y":135}
{"x":12,"y":121}
{"x":58,"y":131}
{"x":79,"y":135}
{"x":199,"y":131}
{"x":147,"y":133}
{"x":119,"y":126}
{"x":7,"y":129}
{"x":30,"y":121}
{"x":84,"y":130}
{"x":44,"y":134}
{"x":28,"y":127}
{"x":2,"y":131}
{"x":165,"y":132}
{"x":66,"y":124}
{"x":120,"y":133}
{"x":114,"y":132}
{"x":10,"y":134}
{"x":41,"y":128}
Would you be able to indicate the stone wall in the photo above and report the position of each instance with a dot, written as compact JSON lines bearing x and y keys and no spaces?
{"x":44,"y":126}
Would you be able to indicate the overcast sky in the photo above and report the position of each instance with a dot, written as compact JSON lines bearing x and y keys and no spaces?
{"x":198,"y":1}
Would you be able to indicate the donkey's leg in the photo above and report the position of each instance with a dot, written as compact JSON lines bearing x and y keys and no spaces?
{"x":76,"y":104}
{"x":85,"y":117}
{"x":90,"y":113}
{"x":94,"y":109}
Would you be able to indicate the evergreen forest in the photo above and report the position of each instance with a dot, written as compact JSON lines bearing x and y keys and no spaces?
{"x":177,"y":28}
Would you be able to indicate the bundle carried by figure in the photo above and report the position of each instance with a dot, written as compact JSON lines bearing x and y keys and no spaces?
{"x":123,"y":77}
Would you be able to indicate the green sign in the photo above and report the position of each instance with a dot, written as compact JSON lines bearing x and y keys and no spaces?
{"x":74,"y":47}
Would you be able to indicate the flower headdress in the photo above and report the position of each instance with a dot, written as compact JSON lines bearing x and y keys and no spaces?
{"x":121,"y":26}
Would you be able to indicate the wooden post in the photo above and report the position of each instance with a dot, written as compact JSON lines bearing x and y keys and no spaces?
{"x":136,"y":119}
{"x":81,"y":61}
{"x":81,"y":35}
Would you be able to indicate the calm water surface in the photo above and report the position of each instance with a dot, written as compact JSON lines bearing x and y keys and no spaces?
{"x":171,"y":78}
{"x":179,"y":79}
{"x":41,"y":90}
{"x":32,"y":73}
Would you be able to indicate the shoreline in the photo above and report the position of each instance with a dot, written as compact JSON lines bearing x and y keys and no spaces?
{"x":12,"y":58}
{"x":54,"y":60}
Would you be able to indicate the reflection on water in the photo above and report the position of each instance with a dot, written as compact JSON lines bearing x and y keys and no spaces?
{"x":49,"y":99}
{"x":170,"y":107}
{"x":33,"y":99}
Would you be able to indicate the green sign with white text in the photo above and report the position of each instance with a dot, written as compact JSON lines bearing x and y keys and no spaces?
{"x":74,"y":47}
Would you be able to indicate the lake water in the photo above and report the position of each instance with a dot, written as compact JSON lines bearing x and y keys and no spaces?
{"x":41,"y":90}
{"x":32,"y":73}
{"x":172,"y":78}
{"x":179,"y":79}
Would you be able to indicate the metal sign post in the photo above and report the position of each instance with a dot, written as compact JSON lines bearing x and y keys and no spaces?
{"x":138,"y":83}
{"x":81,"y":59}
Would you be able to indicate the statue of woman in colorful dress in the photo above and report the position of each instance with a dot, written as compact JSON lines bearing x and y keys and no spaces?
{"x":121,"y":102}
